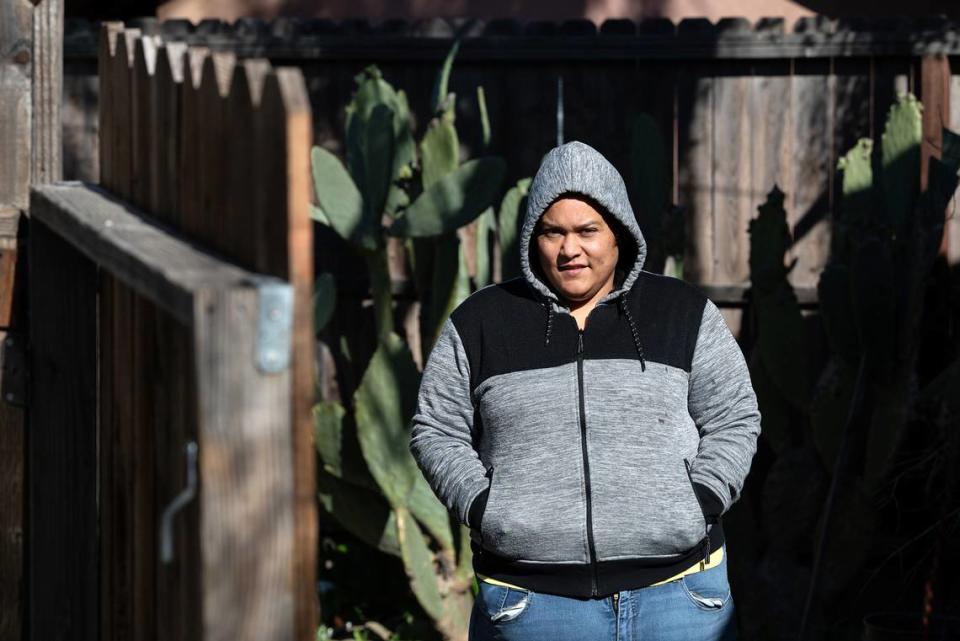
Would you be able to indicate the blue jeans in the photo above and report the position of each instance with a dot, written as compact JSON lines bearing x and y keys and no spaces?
{"x":695,"y":607}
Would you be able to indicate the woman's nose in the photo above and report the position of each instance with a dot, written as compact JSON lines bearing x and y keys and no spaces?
{"x":570,"y":246}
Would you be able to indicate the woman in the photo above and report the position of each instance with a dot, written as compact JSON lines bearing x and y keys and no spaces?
{"x":590,"y":422}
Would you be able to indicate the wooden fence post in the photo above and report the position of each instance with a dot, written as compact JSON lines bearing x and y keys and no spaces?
{"x":935,"y":96}
{"x":31,"y":85}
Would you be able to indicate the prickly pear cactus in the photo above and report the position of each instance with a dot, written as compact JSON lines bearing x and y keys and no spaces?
{"x":373,"y":91}
{"x":780,"y":334}
{"x":900,"y":157}
{"x":509,"y":221}
{"x":453,"y":200}
{"x":885,"y":236}
{"x":422,"y":193}
{"x":892,"y":231}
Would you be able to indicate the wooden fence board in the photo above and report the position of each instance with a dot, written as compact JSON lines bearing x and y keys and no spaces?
{"x":584,"y":90}
{"x":167,"y":158}
{"x":695,"y":178}
{"x":117,"y":445}
{"x":934,"y":90}
{"x":47,"y":69}
{"x":31,"y":87}
{"x":190,"y":141}
{"x":287,"y":253}
{"x":121,"y":113}
{"x":852,"y":115}
{"x":532,"y":103}
{"x":178,"y":596}
{"x":173,"y":415}
{"x":655,"y":92}
{"x":731,"y":166}
{"x":16,"y":139}
{"x":770,"y":138}
{"x":109,"y":34}
{"x":934,"y":93}
{"x":889,"y":77}
{"x":11,"y":514}
{"x":61,"y":442}
{"x":105,"y":436}
{"x":247,"y":501}
{"x":771,"y":125}
{"x":242,"y":164}
{"x":811,"y":139}
{"x":16,"y":36}
{"x":12,"y":450}
{"x":163,"y":265}
{"x":145,"y":509}
{"x":731,"y":177}
{"x":952,"y":230}
{"x":212,"y":226}
{"x":143,"y":119}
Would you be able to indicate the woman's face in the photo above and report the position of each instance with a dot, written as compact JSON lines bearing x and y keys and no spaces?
{"x":577,"y":249}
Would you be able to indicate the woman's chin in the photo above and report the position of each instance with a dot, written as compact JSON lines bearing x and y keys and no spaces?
{"x":577,"y":294}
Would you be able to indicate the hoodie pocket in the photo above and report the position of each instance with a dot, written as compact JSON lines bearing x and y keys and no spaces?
{"x":486,"y":508}
{"x":534,"y":515}
{"x":646,"y":509}
{"x":487,"y":526}
{"x":696,"y":496}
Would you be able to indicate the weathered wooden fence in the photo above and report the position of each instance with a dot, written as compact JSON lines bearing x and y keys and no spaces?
{"x":170,"y":456}
{"x":742,"y":106}
{"x":31,"y":40}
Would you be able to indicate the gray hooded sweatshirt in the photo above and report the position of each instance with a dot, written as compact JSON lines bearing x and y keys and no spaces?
{"x":586,"y":461}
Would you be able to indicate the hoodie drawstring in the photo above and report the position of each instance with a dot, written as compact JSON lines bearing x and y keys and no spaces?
{"x":546,"y":303}
{"x":634,"y":332}
{"x":633,"y":329}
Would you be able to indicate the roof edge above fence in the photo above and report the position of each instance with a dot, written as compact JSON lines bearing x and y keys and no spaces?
{"x":507,"y":39}
{"x":157,"y":261}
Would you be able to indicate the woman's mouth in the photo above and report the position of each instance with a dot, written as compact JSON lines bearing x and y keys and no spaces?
{"x":572,"y":270}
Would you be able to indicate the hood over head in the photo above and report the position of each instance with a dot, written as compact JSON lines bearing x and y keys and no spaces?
{"x":576,"y":167}
{"x":579,"y":168}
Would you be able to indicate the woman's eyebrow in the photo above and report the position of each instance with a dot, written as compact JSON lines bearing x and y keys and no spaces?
{"x":551,"y":227}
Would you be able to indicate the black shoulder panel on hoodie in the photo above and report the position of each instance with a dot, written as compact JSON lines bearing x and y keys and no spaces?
{"x":503,"y":327}
{"x":667,"y":312}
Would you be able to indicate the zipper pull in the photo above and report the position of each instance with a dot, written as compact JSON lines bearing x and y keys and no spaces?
{"x":580,"y":341}
{"x":616,"y":602}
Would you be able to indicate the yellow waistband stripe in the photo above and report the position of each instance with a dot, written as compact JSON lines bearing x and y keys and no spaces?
{"x":715,"y":559}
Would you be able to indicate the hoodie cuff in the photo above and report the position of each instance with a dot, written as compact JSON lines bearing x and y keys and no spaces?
{"x":711,"y":503}
{"x":475,"y":513}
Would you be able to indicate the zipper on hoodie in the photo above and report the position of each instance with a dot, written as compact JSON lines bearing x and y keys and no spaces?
{"x":706,"y":527}
{"x":586,"y":465}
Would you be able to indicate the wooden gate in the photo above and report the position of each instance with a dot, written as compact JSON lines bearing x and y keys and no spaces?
{"x":170,"y":456}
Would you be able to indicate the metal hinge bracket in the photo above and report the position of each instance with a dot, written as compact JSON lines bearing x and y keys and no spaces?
{"x":274,"y":324}
{"x":16,"y":371}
